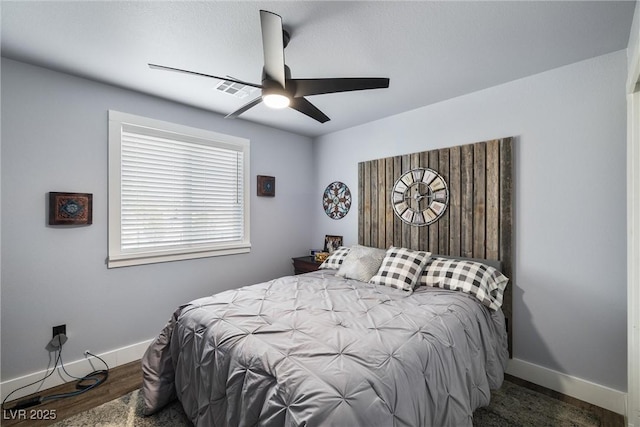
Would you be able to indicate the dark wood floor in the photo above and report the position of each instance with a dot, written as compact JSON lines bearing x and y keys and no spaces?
{"x":122,"y":380}
{"x":126,"y":378}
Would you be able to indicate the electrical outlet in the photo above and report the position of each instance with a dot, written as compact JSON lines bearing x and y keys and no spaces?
{"x":59,"y":338}
{"x":61,"y":329}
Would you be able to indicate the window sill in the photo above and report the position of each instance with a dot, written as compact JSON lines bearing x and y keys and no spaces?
{"x":128,"y":260}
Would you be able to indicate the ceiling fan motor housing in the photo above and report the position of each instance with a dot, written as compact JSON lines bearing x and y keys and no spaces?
{"x":273,"y":94}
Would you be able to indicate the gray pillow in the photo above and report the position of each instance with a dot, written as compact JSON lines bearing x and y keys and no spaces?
{"x":361,"y":263}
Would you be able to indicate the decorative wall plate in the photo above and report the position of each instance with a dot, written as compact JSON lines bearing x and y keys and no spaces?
{"x":336,"y":200}
{"x":420,"y":196}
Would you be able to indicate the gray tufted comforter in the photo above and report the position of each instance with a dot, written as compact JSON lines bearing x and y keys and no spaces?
{"x":320,"y":350}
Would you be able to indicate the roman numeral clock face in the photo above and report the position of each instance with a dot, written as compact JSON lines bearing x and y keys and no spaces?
{"x":420,"y":196}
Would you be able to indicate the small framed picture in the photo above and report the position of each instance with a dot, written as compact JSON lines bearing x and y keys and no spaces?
{"x":331,"y":243}
{"x":70,"y":208}
{"x":266,"y":186}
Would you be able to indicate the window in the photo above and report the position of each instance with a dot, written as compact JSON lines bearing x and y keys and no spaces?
{"x":175,"y":192}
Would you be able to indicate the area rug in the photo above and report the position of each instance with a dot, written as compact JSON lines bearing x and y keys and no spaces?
{"x":511,"y":406}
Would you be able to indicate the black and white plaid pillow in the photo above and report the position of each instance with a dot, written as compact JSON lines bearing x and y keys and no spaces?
{"x":336,"y":258}
{"x":480,"y":280}
{"x":401,"y":268}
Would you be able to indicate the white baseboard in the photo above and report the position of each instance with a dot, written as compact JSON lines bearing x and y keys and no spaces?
{"x":120,"y":356}
{"x":604,"y":397}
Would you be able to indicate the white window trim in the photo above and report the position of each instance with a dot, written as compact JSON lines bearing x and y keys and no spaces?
{"x":116,"y":258}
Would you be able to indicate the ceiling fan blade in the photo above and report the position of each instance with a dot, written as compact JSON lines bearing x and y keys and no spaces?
{"x":273,"y":46}
{"x":162,"y":67}
{"x":306,"y":87}
{"x":244,"y":108}
{"x":305,"y":107}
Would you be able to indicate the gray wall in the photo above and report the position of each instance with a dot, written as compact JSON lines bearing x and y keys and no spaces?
{"x":54,"y":138}
{"x":570,"y":210}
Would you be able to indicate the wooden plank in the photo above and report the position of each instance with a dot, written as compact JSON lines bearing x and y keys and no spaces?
{"x":397,"y":222}
{"x":415,"y":233}
{"x":454,"y":201}
{"x":443,"y":222}
{"x":492,"y":246}
{"x":506,"y":199}
{"x":373,"y":179}
{"x":479,"y":199}
{"x":466,"y":202}
{"x":506,"y":232}
{"x":389,"y":215}
{"x":366,"y":241}
{"x":383,"y":198}
{"x":423,"y":232}
{"x":406,"y":228}
{"x":434,"y":236}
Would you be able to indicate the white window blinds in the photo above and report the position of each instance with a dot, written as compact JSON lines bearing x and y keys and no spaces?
{"x":182,"y":192}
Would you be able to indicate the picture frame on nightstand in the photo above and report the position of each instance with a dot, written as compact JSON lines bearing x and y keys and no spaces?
{"x":331,"y":243}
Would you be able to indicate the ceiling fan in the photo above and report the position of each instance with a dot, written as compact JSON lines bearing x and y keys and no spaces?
{"x":279,"y":90}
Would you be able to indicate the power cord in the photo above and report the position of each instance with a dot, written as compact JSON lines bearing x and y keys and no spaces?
{"x":18,"y":405}
{"x":84,"y":384}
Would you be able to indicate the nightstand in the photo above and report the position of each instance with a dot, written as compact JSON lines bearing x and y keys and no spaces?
{"x":305,"y":264}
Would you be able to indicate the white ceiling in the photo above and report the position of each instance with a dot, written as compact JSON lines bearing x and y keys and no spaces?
{"x":431,"y":51}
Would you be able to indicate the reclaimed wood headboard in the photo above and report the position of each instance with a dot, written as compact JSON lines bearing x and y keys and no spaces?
{"x":478,"y":221}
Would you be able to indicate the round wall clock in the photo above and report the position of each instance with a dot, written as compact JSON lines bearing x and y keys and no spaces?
{"x":420,"y":196}
{"x":336,"y":200}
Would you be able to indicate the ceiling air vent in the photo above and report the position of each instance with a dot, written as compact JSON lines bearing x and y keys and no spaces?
{"x":236,"y":89}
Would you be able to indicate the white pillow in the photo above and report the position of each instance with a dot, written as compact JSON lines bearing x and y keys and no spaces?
{"x":361,"y":263}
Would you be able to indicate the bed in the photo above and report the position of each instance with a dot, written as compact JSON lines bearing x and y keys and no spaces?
{"x":377,"y":337}
{"x":327,"y":348}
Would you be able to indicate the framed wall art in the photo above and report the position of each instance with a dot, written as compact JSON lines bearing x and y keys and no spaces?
{"x":70,"y":208}
{"x":266,"y":186}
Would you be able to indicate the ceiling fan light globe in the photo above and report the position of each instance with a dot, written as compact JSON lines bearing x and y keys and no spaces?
{"x":276,"y":100}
